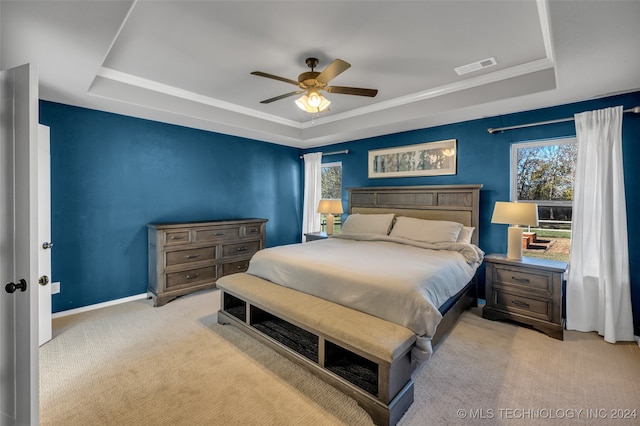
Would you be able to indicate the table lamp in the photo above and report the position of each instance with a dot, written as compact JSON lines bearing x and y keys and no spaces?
{"x":329,"y":207}
{"x":514,"y":214}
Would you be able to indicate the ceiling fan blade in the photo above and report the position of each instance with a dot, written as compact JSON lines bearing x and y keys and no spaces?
{"x":275,"y":77}
{"x":352,"y":91}
{"x":277,"y":98}
{"x":334,"y":69}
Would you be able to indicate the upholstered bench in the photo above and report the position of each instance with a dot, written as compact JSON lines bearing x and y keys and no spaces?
{"x":365,"y":357}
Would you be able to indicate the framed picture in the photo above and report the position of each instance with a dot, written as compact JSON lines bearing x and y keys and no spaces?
{"x":426,"y":159}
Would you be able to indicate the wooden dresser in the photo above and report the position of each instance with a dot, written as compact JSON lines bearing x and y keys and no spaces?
{"x":189,"y":257}
{"x":528,"y":291}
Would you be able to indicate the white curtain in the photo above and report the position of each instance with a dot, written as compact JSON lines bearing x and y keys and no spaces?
{"x":312,"y":192}
{"x":598,"y":284}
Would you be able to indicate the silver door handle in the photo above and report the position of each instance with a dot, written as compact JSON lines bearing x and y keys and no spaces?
{"x":46,"y":245}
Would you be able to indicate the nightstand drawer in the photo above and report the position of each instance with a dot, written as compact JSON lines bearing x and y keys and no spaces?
{"x":535,"y":308}
{"x":527,"y":279}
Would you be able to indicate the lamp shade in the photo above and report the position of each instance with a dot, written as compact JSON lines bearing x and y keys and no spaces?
{"x":511,"y":213}
{"x":328,"y":206}
{"x":514,"y":214}
{"x":312,"y":102}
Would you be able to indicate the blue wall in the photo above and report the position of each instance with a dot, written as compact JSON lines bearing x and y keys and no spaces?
{"x":112,"y":174}
{"x":485,"y":158}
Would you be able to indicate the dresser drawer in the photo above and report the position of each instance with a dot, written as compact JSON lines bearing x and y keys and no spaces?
{"x":238,"y":249}
{"x":173,"y":238}
{"x":217,"y":234}
{"x":532,"y":307}
{"x":176,"y":279}
{"x":253,"y":230}
{"x":532,"y":281}
{"x":193,"y":255}
{"x":235,"y":267}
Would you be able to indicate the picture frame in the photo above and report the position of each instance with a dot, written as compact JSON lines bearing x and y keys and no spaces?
{"x":425,"y":159}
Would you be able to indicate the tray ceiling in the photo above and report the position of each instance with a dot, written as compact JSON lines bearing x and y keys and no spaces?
{"x":189,"y":63}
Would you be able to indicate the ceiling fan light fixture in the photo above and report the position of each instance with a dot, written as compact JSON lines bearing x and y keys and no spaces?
{"x":312,"y":82}
{"x":314,"y":99}
{"x":313,"y":103}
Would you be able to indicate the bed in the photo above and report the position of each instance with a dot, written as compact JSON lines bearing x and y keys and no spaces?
{"x":349,"y":275}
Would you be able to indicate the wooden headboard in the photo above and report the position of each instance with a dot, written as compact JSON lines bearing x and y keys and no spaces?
{"x":457,"y":203}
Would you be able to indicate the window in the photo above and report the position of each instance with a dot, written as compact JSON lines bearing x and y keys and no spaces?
{"x":543,"y":172}
{"x":332,"y":180}
{"x":332,"y":188}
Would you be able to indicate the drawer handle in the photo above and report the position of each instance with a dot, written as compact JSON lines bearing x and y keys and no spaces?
{"x":219,"y":234}
{"x":241,"y":266}
{"x":253,"y":231}
{"x":520,"y":280}
{"x":192,"y":256}
{"x":245,"y":248}
{"x":190,"y":277}
{"x":520,"y":303}
{"x":181,"y":237}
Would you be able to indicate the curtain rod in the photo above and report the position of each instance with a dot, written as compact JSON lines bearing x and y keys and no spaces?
{"x":541,"y":123}
{"x":346,"y":151}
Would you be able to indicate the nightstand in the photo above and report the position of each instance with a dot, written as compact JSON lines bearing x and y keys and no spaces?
{"x":313,"y":236}
{"x":528,"y":291}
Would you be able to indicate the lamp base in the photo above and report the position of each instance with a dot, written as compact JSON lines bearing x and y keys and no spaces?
{"x":330,"y":220}
{"x":514,"y":243}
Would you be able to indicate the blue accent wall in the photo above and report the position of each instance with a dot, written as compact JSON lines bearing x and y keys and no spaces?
{"x":486,"y":159}
{"x":113,"y":174}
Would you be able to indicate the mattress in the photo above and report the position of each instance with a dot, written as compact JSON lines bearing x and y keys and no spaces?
{"x":396,"y":279}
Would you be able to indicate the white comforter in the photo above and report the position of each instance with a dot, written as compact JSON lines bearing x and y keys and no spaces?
{"x":398,"y":280}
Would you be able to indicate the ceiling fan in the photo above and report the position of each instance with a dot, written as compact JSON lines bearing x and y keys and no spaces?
{"x":311,"y":82}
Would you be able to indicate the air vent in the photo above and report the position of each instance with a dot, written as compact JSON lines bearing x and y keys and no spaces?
{"x":485,"y":63}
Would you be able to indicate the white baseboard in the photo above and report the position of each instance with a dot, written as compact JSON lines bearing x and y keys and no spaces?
{"x":98,"y":306}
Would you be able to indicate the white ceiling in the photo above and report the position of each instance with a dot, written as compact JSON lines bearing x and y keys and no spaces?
{"x":189,"y":62}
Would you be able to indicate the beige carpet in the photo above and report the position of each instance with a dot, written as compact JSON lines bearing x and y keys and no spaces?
{"x":132,"y":364}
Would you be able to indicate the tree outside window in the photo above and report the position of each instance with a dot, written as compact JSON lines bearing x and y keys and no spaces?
{"x":543,"y":172}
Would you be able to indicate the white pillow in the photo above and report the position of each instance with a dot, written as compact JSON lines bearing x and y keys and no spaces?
{"x":465,"y":234}
{"x":426,"y":231}
{"x":368,"y":223}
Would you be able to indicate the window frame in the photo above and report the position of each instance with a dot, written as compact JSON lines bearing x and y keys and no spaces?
{"x":333,"y":164}
{"x":513,"y":186}
{"x":323,"y":217}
